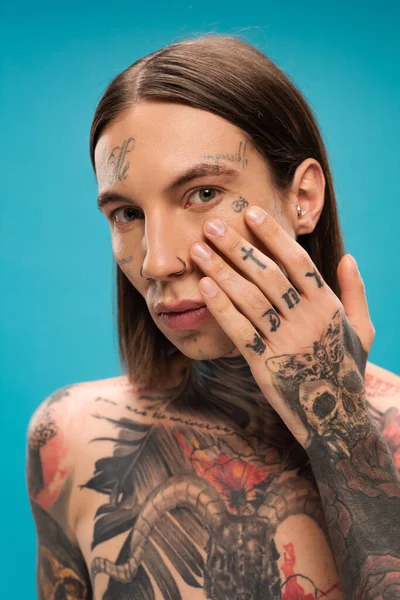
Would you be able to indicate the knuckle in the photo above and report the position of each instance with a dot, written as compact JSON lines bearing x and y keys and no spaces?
{"x":225,"y":307}
{"x":246,"y":332}
{"x":254,"y":299}
{"x":235,"y":244}
{"x":301,"y":257}
{"x":272,"y":229}
{"x":222,"y":269}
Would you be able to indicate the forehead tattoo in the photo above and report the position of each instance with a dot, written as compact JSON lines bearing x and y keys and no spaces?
{"x":115,"y":166}
{"x":237,"y":157}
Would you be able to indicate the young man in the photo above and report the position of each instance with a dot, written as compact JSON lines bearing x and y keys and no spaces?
{"x":256,"y":468}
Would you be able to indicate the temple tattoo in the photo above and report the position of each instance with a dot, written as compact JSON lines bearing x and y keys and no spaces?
{"x":318,"y":278}
{"x":274,"y":319}
{"x":239,"y":205}
{"x":249,"y":254}
{"x":291,"y":298}
{"x":238,"y":157}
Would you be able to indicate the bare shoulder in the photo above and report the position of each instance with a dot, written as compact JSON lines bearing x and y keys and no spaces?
{"x":382,"y":386}
{"x":59,"y":435}
{"x":383,"y":396}
{"x":69,"y":408}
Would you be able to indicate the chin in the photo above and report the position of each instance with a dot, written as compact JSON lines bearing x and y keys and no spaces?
{"x":199,"y":345}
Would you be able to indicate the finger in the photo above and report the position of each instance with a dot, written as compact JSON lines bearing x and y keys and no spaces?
{"x":256,"y":266}
{"x":354,"y":300}
{"x":242,"y":292}
{"x":297,"y":262}
{"x":243,"y":334}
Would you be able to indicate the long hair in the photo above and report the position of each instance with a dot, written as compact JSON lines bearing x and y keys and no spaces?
{"x":230,"y":78}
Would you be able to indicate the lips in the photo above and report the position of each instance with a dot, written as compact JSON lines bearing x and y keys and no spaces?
{"x":181,"y":306}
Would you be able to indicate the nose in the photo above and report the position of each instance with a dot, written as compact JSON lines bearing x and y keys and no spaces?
{"x":166,"y":253}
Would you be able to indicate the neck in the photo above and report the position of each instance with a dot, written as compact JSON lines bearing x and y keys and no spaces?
{"x":224,"y":392}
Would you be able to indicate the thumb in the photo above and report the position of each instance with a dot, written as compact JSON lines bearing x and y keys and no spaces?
{"x":354,"y":300}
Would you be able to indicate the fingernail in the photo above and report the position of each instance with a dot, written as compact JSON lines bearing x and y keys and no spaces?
{"x":215,"y":227}
{"x":201,"y":250}
{"x":208,"y":287}
{"x":256,"y":215}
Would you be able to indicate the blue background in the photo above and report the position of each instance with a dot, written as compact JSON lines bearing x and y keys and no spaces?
{"x":56,"y":269}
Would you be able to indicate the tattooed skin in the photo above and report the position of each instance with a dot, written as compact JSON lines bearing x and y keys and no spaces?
{"x":352,"y":463}
{"x":239,"y":205}
{"x":115,"y":166}
{"x":317,"y":278}
{"x":291,"y":298}
{"x":125,"y":261}
{"x":62,"y":573}
{"x":274,"y":319}
{"x":249,"y":254}
{"x":238,"y":157}
{"x":196,"y":482}
{"x":192,"y":465}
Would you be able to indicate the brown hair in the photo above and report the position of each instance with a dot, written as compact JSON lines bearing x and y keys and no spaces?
{"x":230,"y":78}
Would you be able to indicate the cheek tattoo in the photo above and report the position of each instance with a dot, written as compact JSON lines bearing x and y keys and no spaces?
{"x":239,"y":205}
{"x":124,"y":261}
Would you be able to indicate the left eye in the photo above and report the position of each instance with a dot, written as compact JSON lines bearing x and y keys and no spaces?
{"x":208,"y":193}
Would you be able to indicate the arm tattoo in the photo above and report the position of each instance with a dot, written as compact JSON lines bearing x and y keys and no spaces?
{"x":61,"y":569}
{"x":354,"y":468}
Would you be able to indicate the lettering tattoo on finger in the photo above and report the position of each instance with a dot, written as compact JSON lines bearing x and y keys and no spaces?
{"x":239,"y":205}
{"x":258,"y":344}
{"x":318,"y":279}
{"x":274,"y":319}
{"x":291,"y":298}
{"x":249,"y":254}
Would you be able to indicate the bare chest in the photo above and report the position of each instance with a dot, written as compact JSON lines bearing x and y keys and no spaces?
{"x":185,"y":511}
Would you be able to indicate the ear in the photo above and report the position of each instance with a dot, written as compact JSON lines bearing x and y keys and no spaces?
{"x":307,"y":191}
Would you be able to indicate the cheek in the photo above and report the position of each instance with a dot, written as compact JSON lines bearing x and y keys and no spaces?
{"x":119,"y":246}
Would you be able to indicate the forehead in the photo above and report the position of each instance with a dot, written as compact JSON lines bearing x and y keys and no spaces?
{"x":167,"y":135}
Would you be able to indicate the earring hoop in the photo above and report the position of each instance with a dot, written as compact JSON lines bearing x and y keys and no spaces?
{"x":299,"y":211}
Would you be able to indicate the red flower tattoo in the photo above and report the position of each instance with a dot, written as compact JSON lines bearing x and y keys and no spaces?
{"x":235,"y":468}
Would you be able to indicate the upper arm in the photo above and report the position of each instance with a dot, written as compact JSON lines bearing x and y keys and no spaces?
{"x":61,"y":569}
{"x":383,"y":395}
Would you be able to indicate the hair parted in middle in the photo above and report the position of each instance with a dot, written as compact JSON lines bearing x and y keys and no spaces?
{"x":231,"y":78}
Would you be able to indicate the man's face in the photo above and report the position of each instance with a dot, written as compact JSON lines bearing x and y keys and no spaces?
{"x":139,"y":156}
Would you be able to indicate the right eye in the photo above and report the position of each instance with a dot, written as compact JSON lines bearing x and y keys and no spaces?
{"x":124,"y":214}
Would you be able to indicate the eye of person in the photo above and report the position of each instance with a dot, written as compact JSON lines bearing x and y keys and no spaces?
{"x":127,"y":214}
{"x":207,"y":191}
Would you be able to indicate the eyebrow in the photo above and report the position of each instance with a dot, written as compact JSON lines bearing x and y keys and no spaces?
{"x":195,"y":172}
